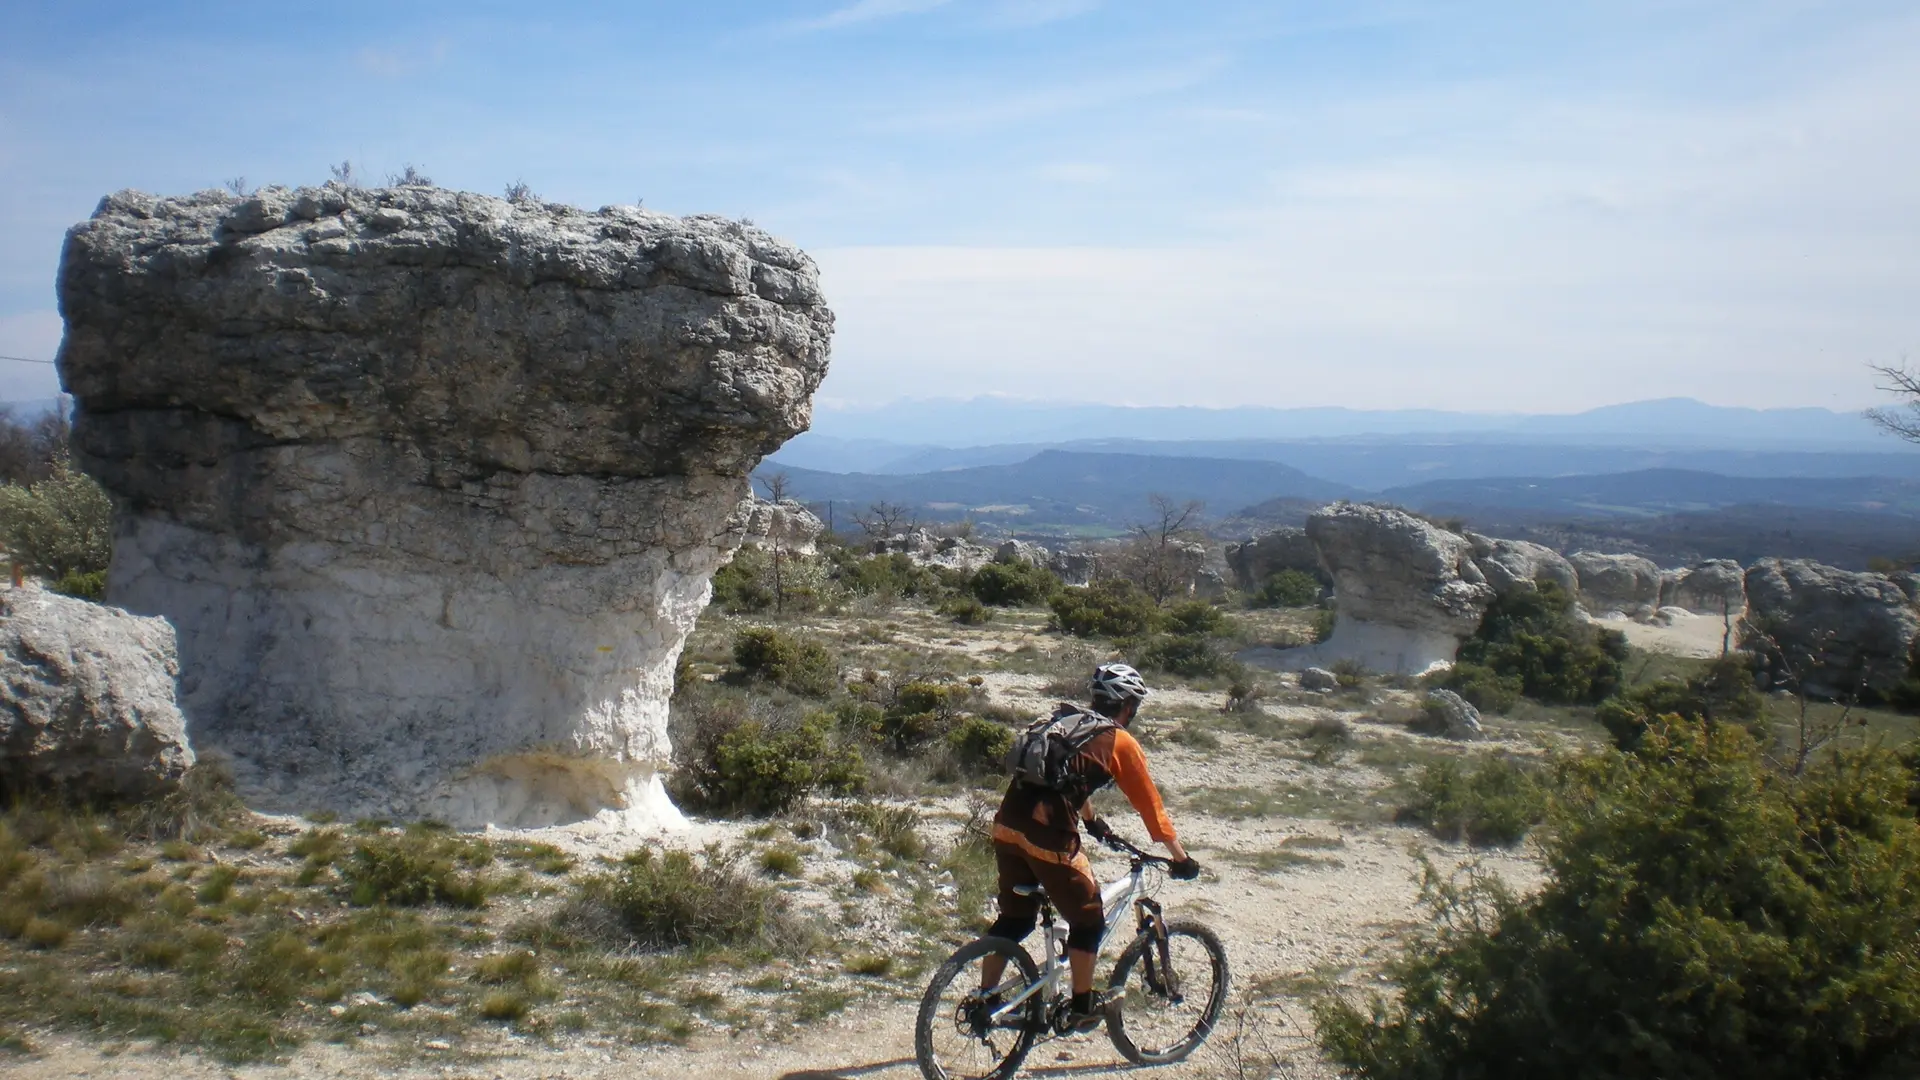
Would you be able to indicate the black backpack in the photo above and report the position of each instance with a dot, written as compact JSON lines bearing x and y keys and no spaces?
{"x":1042,"y":755}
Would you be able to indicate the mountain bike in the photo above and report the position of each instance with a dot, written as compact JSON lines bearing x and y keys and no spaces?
{"x":1162,"y":1000}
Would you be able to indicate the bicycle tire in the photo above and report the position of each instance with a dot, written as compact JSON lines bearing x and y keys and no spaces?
{"x":931,"y":1014}
{"x":1209,"y":1014}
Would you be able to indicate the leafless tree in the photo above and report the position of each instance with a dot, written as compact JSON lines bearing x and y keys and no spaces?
{"x":884,"y":519}
{"x":777,"y":484}
{"x":1158,"y":555}
{"x":344,"y":175}
{"x":1903,"y":419}
{"x":1812,"y":731}
{"x":519,"y":192}
{"x":238,"y":185}
{"x":410,"y":176}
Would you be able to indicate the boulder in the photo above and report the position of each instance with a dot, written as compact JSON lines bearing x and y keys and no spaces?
{"x":1021,"y":551}
{"x":786,"y":524}
{"x":1076,"y":567}
{"x":1628,"y":584}
{"x":1256,"y":560}
{"x":1453,"y":715}
{"x":1715,"y":587}
{"x":1518,"y":566}
{"x":87,"y":703}
{"x":1829,"y":632}
{"x":1318,"y":679}
{"x":1406,"y":592}
{"x":431,"y":484}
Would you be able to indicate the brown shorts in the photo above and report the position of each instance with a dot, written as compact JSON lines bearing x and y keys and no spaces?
{"x":1069,"y":884}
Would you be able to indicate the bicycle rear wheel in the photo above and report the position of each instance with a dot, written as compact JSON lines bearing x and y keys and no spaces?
{"x":1156,"y":1021}
{"x":953,"y":1037}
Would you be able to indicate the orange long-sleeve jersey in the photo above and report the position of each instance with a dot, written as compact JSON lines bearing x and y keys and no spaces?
{"x":1048,"y":820}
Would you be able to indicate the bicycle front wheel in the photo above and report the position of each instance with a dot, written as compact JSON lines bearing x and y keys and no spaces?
{"x":1163,"y":1006}
{"x":955,"y":1037}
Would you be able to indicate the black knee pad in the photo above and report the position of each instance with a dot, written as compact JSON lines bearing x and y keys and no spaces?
{"x":1085,"y":938}
{"x":1012,"y":927}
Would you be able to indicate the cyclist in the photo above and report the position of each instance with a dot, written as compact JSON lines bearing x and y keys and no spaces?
{"x":1036,"y":838}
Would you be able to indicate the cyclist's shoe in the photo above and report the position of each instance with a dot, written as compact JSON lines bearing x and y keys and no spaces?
{"x":1076,"y":1022}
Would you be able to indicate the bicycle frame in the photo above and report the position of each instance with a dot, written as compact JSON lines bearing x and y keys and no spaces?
{"x":1118,"y":898}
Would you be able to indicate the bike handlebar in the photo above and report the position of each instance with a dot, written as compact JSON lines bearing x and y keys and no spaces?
{"x":1113,"y":841}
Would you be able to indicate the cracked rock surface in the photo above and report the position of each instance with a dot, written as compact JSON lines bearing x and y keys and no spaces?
{"x":430,"y":484}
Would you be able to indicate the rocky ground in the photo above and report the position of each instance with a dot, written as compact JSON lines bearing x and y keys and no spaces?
{"x":1288,"y":806}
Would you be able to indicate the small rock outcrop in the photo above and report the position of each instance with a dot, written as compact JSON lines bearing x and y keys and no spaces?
{"x":927,"y":549}
{"x":1519,"y":566}
{"x":785,"y":524}
{"x":431,"y":484}
{"x":1319,"y":680}
{"x":1832,"y":633}
{"x":87,"y":703}
{"x":1452,"y":715}
{"x":1406,"y":592}
{"x":1714,"y":587}
{"x":1628,"y":584}
{"x":1256,"y":560}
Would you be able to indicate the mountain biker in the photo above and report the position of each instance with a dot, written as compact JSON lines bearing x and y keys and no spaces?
{"x":1036,"y":839}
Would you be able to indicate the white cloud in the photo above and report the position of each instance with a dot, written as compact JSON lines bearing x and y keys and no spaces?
{"x":864,"y":11}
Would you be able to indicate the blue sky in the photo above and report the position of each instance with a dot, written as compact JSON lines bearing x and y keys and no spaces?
{"x":1496,"y":206}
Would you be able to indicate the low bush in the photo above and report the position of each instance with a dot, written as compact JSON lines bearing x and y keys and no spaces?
{"x":1494,"y":803}
{"x":794,"y":664}
{"x":1189,"y":655}
{"x":1114,"y":607}
{"x":1349,"y":673}
{"x":965,"y":610}
{"x":84,"y":585}
{"x":1722,"y":693}
{"x":1482,"y":687}
{"x":894,"y":576}
{"x":741,"y":587}
{"x":753,"y":765}
{"x":979,"y":746}
{"x":1702,"y":916}
{"x":59,"y":526}
{"x":1013,"y":584}
{"x":674,"y":899}
{"x":1195,"y":618}
{"x":1536,"y":639}
{"x":1286,"y":589}
{"x":1323,"y":622}
{"x":416,"y":868}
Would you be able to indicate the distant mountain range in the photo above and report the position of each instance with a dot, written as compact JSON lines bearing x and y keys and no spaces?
{"x":1672,"y":423}
{"x":1659,"y":491}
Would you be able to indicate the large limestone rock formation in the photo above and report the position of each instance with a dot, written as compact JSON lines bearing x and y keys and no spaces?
{"x":1256,"y":560}
{"x":1628,"y":584}
{"x":1406,"y":593}
{"x":1518,"y":566}
{"x":786,"y":525}
{"x":1831,"y":632}
{"x":431,"y":484}
{"x":87,"y":699}
{"x":1715,"y":587}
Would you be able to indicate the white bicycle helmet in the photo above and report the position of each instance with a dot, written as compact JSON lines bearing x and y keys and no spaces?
{"x":1118,"y":682}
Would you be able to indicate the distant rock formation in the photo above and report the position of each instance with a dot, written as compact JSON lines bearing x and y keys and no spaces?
{"x":1406,"y":592}
{"x":1518,"y":566}
{"x":1831,"y":633}
{"x":87,"y":700}
{"x":1071,"y":567}
{"x":926,"y":549}
{"x":431,"y":484}
{"x":785,"y":524}
{"x":1628,"y":584}
{"x":1715,"y":587}
{"x":1256,"y":560}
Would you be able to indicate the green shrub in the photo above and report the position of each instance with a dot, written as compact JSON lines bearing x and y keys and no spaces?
{"x":795,"y":664}
{"x":979,"y":746}
{"x":893,"y":575}
{"x":670,"y":899}
{"x":59,"y":526}
{"x":1323,"y":622}
{"x":1723,"y":693}
{"x":1189,"y":655}
{"x":921,"y":714}
{"x":1286,"y":589}
{"x":1492,"y":804}
{"x":87,"y":585}
{"x":965,"y":610}
{"x":1702,"y":916}
{"x":1013,"y":584}
{"x":743,"y":586}
{"x":1114,"y":607}
{"x":1195,"y":618}
{"x":416,"y":868}
{"x":1482,"y":687}
{"x":1349,"y":673}
{"x":759,"y":768}
{"x":1535,"y":637}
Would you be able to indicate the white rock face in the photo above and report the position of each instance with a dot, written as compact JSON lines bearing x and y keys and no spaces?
{"x":1714,"y":587}
{"x":793,"y":527}
{"x":1629,"y":584}
{"x":1831,"y":632}
{"x":431,"y":484}
{"x":1405,"y":592}
{"x":87,"y":699}
{"x":1519,"y":566}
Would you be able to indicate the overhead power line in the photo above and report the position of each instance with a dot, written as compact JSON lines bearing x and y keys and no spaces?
{"x":26,"y":359}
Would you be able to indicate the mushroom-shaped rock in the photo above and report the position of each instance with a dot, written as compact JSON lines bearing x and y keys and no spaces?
{"x":430,"y":484}
{"x":1629,"y":584}
{"x":1714,"y":587}
{"x":87,"y":704}
{"x":1829,"y":632}
{"x":1405,"y":592}
{"x":1518,"y":566}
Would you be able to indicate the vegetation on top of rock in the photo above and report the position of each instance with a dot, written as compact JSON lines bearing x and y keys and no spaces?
{"x":1703,"y":916}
